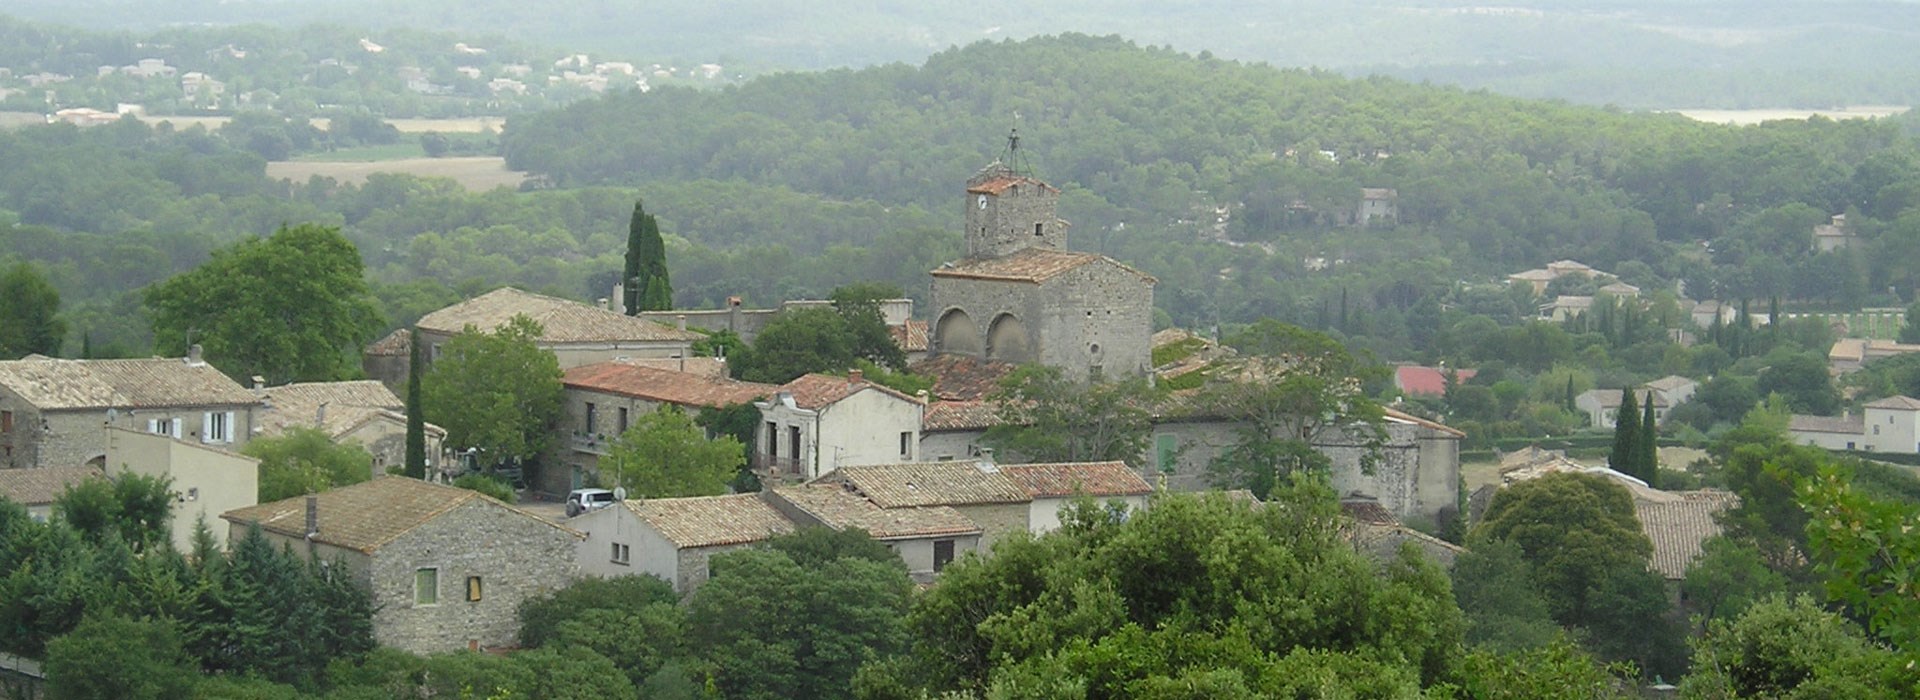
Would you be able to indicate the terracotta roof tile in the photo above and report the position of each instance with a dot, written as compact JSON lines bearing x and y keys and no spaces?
{"x":1394,"y":415}
{"x":962,"y":378}
{"x":1849,"y":425}
{"x":683,"y":388}
{"x":703,"y":366}
{"x":36,"y":487}
{"x":1002,"y":183}
{"x":929,"y":484}
{"x":397,"y":343}
{"x":1413,"y":379}
{"x":1368,"y":510}
{"x":712,"y":521}
{"x":1062,"y":480}
{"x":366,"y":516}
{"x":561,"y":320}
{"x":348,"y":405}
{"x":1677,"y":528}
{"x":960,"y":415}
{"x":1896,"y":403}
{"x":1029,"y":265}
{"x":840,"y":509}
{"x":813,"y":391}
{"x":910,"y":336}
{"x":53,"y":384}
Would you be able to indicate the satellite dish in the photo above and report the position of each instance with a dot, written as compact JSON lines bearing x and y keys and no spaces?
{"x":619,"y":493}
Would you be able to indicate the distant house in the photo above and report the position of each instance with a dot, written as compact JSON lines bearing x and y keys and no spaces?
{"x":1415,"y":380}
{"x":1536,"y":280}
{"x":673,"y":538}
{"x":1673,"y":388}
{"x":979,"y":491}
{"x":927,"y":538}
{"x":1891,"y":424}
{"x":1832,"y":236}
{"x":447,"y":567}
{"x":1053,"y":486}
{"x":1620,"y":290}
{"x":206,"y":480}
{"x":1851,"y":354}
{"x":1566,"y":307}
{"x":37,"y":489}
{"x":1379,"y":206}
{"x":818,"y":423}
{"x":1561,"y":268}
{"x":603,"y":399}
{"x":52,"y":411}
{"x":577,"y":334}
{"x":1603,"y":405}
{"x":1710,"y":312}
{"x":362,"y":412}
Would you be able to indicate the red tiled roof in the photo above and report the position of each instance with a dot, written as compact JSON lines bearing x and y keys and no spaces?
{"x":960,"y":415}
{"x":668,"y":386}
{"x":1033,"y":265}
{"x":961,"y":377}
{"x":1677,"y":528}
{"x":1396,"y":415}
{"x":815,"y":390}
{"x":1414,"y":379}
{"x":910,"y":336}
{"x":1062,"y":480}
{"x":997,"y":185}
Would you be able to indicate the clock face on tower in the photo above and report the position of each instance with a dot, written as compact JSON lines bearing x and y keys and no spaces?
{"x":982,"y":201}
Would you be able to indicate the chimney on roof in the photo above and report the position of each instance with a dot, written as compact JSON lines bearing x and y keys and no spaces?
{"x":985,"y":462}
{"x":605,"y":303}
{"x":733,"y":301}
{"x":259,"y":382}
{"x":313,"y":516}
{"x":680,"y":321}
{"x":193,"y":355}
{"x":320,"y":414}
{"x":855,"y":376}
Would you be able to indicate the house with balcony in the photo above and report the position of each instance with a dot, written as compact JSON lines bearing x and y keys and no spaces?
{"x":53,"y":412}
{"x":819,"y":422}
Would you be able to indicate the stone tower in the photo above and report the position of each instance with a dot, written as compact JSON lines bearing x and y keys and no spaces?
{"x":1008,"y":212}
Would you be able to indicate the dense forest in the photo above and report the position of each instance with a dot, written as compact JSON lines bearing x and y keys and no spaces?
{"x":1636,"y":53}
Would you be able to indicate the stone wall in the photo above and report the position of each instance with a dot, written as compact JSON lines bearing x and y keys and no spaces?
{"x":1095,"y":315}
{"x":78,"y":438}
{"x":515,"y":556}
{"x":997,"y":521}
{"x":945,"y":445}
{"x":1022,"y":216}
{"x":1416,"y":476}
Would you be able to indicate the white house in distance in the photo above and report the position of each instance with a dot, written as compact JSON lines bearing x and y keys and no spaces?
{"x":1891,"y":424}
{"x":206,"y":480}
{"x":819,"y":423}
{"x":673,"y":538}
{"x":1602,"y":406}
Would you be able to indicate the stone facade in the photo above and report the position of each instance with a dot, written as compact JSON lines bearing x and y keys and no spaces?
{"x":74,"y":438}
{"x":1415,"y":477}
{"x":997,"y":521}
{"x":1006,"y":213}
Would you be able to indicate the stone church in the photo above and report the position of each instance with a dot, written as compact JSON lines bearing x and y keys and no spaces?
{"x":1020,"y":296}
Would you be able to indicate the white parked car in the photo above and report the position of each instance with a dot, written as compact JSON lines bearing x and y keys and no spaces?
{"x":583,"y":500}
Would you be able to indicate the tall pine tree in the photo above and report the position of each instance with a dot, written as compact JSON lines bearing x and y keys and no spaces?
{"x":416,"y":466}
{"x":1626,"y":432}
{"x":1648,"y":461}
{"x":647,"y":287}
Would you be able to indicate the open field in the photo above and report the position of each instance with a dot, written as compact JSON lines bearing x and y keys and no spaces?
{"x":477,"y":173}
{"x":1746,"y":117}
{"x":465,"y":125}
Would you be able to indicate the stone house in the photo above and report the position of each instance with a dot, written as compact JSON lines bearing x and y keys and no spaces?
{"x":955,"y":429}
{"x":447,"y":567}
{"x":1707,"y":313}
{"x":1602,"y":406}
{"x":577,"y":334}
{"x":1832,"y":236}
{"x":52,"y":411}
{"x":1565,"y":307}
{"x":1891,"y":424}
{"x":37,"y":489}
{"x":1021,"y":296}
{"x":673,"y":538}
{"x":602,"y":399}
{"x":977,"y":490}
{"x":1053,"y":486}
{"x":746,"y":323}
{"x":818,"y":423}
{"x":1379,"y":206}
{"x":1851,"y":354}
{"x":206,"y":480}
{"x":927,"y":538}
{"x":1674,"y":388}
{"x":363,"y":412}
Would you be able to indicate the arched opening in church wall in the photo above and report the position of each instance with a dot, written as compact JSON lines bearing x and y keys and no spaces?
{"x":956,"y":333}
{"x":1007,"y":340}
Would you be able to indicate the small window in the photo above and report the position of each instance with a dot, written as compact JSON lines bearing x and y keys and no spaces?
{"x":592,"y":419}
{"x":942,"y":554}
{"x":473,"y":589}
{"x":623,"y":420}
{"x":906,"y":443}
{"x":426,"y":586}
{"x":1039,"y":229}
{"x":1876,"y":430}
{"x":6,"y":421}
{"x":622,"y":555}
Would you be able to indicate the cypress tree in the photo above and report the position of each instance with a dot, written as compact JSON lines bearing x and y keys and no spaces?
{"x":416,"y":465}
{"x":1626,"y":432}
{"x":646,"y":286}
{"x":1649,"y":446}
{"x":1572,"y":406}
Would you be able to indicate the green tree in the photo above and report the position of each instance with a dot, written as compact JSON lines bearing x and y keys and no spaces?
{"x":1803,"y":379}
{"x":132,"y":507}
{"x":1647,"y":447}
{"x":739,"y":421}
{"x":294,"y":306}
{"x":1046,"y":417}
{"x":496,"y":392}
{"x":1867,"y":548}
{"x":1302,"y":389}
{"x":1781,"y":648}
{"x":542,"y":616}
{"x":305,"y":460}
{"x":114,"y":657}
{"x":797,"y":342}
{"x":29,"y":321}
{"x":1625,"y":457}
{"x":492,"y":486}
{"x":773,"y":628}
{"x":644,"y":278}
{"x":665,"y":455}
{"x":859,"y":304}
{"x":1728,"y":578}
{"x":1910,"y":324}
{"x":1493,"y":584}
{"x":416,"y":460}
